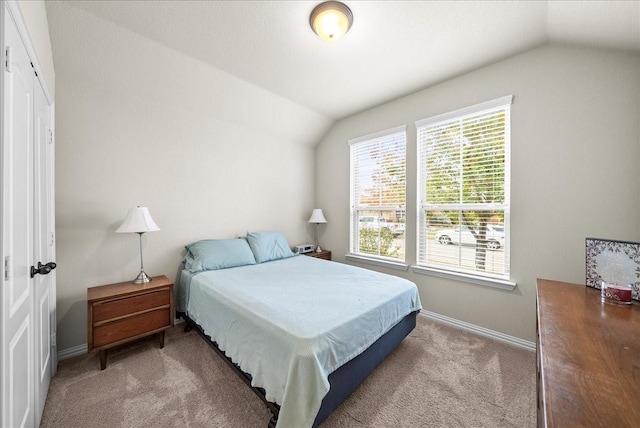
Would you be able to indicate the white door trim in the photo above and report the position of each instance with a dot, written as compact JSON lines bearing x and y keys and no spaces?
{"x":16,"y":13}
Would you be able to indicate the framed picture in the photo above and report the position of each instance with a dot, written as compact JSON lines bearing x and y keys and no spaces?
{"x":615,"y":262}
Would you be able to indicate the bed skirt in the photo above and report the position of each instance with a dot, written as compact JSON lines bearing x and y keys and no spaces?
{"x":342,"y":381}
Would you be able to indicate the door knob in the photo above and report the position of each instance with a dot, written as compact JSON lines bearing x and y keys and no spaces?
{"x":42,"y":269}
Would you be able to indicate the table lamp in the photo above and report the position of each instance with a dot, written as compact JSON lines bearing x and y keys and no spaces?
{"x":317,"y":217}
{"x":139,"y":221}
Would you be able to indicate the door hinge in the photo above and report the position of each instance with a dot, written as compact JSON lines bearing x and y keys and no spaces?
{"x":53,"y":239}
{"x":7,"y":268}
{"x":7,"y":58}
{"x":53,"y":340}
{"x":50,"y":136}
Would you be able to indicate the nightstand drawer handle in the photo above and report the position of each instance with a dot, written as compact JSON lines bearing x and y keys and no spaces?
{"x":42,"y":269}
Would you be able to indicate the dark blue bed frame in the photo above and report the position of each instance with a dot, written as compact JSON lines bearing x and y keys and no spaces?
{"x":342,"y":381}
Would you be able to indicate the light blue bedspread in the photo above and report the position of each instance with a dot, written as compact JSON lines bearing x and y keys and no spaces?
{"x":292,"y":322}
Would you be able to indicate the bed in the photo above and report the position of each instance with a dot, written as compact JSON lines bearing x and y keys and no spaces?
{"x":303,"y":332}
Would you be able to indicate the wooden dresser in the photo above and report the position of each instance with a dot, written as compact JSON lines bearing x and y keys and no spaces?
{"x":588,"y":358}
{"x":122,"y":312}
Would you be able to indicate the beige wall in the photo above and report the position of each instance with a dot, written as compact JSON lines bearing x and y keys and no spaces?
{"x":35,"y":17}
{"x":574,"y":174}
{"x":213,"y":156}
{"x":139,"y":124}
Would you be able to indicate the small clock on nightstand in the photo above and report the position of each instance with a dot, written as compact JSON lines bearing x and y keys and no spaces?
{"x":324,"y":254}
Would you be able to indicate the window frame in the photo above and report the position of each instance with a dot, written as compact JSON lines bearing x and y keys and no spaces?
{"x":456,"y":272}
{"x":354,"y":230}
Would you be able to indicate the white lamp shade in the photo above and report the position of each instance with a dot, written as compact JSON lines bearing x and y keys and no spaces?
{"x":317,"y":216}
{"x":331,"y":20}
{"x":138,"y":221}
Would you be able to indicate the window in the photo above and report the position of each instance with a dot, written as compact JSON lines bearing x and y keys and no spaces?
{"x":378,"y":185}
{"x":463,"y":190}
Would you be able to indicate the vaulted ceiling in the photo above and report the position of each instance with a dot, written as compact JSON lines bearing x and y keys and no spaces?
{"x":394,"y":47}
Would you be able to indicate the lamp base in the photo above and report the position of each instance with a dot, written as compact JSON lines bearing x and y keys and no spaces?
{"x":142,"y":278}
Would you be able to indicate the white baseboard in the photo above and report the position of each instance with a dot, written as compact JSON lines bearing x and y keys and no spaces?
{"x":511,"y":340}
{"x":74,"y":351}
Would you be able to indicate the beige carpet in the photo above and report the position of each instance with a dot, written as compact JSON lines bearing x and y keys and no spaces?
{"x":437,"y":377}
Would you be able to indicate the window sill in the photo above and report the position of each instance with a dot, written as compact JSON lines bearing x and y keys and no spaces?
{"x":502,"y":284}
{"x":377,"y":262}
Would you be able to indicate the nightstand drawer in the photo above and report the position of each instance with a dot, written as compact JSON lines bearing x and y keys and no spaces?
{"x":122,"y":312}
{"x":130,"y":305}
{"x":130,"y":327}
{"x":324,"y":254}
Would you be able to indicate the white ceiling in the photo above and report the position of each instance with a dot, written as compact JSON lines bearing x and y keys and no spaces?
{"x":394,"y":47}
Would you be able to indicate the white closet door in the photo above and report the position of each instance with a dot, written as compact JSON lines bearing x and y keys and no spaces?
{"x":18,"y":221}
{"x":43,"y":245}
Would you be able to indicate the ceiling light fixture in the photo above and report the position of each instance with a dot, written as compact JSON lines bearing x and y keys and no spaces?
{"x":331,"y":20}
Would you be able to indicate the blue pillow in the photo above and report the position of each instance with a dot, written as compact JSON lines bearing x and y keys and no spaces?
{"x":267,"y":246}
{"x":211,"y":254}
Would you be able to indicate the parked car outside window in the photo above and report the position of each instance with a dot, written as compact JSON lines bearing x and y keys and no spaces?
{"x":379,"y":223}
{"x":463,"y":236}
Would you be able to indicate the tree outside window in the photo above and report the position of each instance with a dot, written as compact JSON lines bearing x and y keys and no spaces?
{"x":378,"y":194}
{"x":463,"y":190}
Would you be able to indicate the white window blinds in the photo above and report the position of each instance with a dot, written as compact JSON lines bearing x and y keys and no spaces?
{"x":378,"y":194}
{"x":463,"y":190}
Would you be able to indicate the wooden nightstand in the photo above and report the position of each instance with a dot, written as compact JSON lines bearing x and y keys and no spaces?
{"x":122,"y":312}
{"x":324,"y":254}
